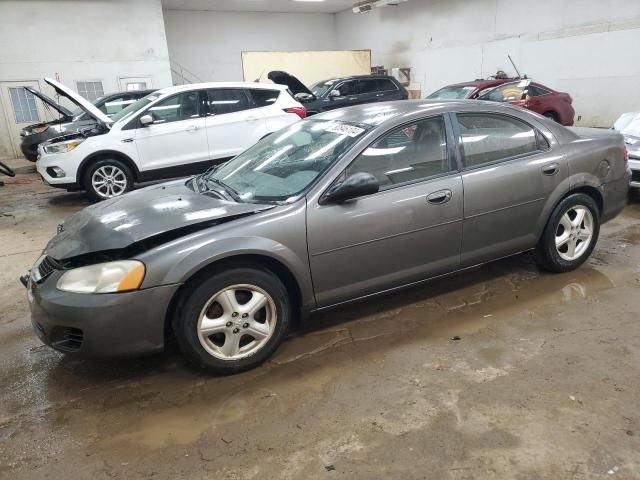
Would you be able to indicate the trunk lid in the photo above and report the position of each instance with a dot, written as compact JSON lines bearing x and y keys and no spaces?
{"x":65,"y":112}
{"x":80,"y":101}
{"x":158,"y":212}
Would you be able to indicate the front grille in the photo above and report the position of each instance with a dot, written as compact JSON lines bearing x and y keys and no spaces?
{"x":68,"y":339}
{"x":47,"y":266}
{"x":635,"y":175}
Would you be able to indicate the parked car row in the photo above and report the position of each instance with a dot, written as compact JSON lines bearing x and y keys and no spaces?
{"x":128,"y":137}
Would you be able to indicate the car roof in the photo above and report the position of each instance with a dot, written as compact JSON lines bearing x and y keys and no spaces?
{"x":357,"y":77}
{"x":484,"y":83}
{"x":375,"y":114}
{"x":200,"y":86}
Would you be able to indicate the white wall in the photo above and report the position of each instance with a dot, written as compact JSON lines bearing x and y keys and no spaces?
{"x":588,"y":48}
{"x":209,"y":43}
{"x":81,"y":40}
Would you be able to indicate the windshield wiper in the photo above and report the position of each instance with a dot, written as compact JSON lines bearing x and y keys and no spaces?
{"x":230,"y":191}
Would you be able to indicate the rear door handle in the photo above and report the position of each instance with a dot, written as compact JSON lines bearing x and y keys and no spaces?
{"x":551,"y":169}
{"x":252,"y":119}
{"x":191,"y":128}
{"x":439,"y":197}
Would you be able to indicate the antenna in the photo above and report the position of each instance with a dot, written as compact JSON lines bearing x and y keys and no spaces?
{"x":514,"y":66}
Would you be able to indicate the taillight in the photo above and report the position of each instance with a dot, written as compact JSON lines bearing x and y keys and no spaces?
{"x":300,"y":111}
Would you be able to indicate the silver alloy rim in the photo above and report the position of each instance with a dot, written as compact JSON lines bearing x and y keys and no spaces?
{"x":109,"y":181}
{"x":237,"y":322}
{"x":574,"y":233}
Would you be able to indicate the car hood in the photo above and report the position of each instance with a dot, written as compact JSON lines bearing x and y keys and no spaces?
{"x":628,"y":124}
{"x":49,"y":101}
{"x":143,"y":218}
{"x":283,"y":78}
{"x":80,"y":101}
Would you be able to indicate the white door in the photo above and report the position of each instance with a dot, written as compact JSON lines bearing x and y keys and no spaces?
{"x":21,"y":109}
{"x":233,"y":125}
{"x":176,"y":137}
{"x":134,"y":83}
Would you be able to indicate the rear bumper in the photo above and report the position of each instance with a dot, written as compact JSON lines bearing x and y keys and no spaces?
{"x":100,"y":325}
{"x":615,"y":197}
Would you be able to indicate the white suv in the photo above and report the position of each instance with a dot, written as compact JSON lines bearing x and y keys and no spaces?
{"x":173,"y":132}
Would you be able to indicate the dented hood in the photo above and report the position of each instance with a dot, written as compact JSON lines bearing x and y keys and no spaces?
{"x":157,"y":213}
{"x":79,"y":101}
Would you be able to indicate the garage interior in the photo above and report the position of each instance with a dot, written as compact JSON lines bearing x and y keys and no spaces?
{"x":503,"y":371}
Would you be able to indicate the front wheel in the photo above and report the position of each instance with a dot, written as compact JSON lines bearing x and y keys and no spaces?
{"x":233,"y":321}
{"x":107,"y":178}
{"x":570,"y":235}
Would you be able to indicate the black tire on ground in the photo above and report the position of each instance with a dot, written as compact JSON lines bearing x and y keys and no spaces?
{"x":87,"y":184}
{"x":547,"y":255}
{"x":199,"y":293}
{"x":552,"y":115}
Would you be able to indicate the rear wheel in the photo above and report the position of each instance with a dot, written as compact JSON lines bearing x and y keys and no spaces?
{"x":233,"y":321}
{"x":552,"y":115}
{"x":107,"y":178}
{"x":570,"y":235}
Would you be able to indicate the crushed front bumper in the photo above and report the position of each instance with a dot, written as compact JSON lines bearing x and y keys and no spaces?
{"x":99,"y":325}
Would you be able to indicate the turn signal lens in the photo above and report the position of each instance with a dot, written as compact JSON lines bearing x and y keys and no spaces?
{"x":132,"y":280}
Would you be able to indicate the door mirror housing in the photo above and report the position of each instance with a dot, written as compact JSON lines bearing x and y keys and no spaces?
{"x":146,"y":120}
{"x":304,"y":97}
{"x":355,"y":185}
{"x":334,"y":93}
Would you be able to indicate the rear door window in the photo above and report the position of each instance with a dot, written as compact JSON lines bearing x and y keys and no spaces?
{"x":264,"y":97}
{"x":488,"y":138}
{"x":368,"y":85}
{"x":386,"y":85}
{"x":227,"y":100}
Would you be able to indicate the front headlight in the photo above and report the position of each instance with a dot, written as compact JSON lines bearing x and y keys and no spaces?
{"x":111,"y":277}
{"x":63,"y":147}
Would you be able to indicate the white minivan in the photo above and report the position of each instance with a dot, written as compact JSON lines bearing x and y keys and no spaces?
{"x":173,"y":132}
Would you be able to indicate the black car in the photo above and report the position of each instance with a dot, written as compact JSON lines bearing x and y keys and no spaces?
{"x":70,"y":121}
{"x":341,"y":92}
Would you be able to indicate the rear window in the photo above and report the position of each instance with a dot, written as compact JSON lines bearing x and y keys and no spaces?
{"x":264,"y":97}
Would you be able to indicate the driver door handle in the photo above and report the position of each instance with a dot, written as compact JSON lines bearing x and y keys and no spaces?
{"x":551,"y":169}
{"x":252,"y":119}
{"x":191,"y":128}
{"x":440,"y":197}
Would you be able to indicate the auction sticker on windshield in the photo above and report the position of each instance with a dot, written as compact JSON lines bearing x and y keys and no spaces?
{"x":343,"y":129}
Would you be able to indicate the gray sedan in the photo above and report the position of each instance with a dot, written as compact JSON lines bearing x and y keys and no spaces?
{"x":347,"y":205}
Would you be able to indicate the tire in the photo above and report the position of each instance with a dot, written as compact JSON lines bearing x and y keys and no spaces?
{"x":552,"y":115}
{"x":554,"y":251}
{"x":120,"y":176}
{"x":232,"y":323}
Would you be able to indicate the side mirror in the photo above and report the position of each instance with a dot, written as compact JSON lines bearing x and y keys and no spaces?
{"x":334,"y":93}
{"x":304,"y":97}
{"x":146,"y":120}
{"x":355,"y":185}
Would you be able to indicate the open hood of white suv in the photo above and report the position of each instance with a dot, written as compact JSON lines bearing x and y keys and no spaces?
{"x":80,"y":101}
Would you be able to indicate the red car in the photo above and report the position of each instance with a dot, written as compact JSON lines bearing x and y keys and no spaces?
{"x":467,"y":90}
{"x":534,"y":96}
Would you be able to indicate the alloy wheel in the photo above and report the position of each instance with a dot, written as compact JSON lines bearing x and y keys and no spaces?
{"x":237,"y":322}
{"x":574,"y":232}
{"x":109,"y":181}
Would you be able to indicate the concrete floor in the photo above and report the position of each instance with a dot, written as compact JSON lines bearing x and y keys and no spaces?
{"x":542,"y":384}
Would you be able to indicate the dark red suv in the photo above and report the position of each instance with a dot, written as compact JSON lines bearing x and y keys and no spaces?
{"x":536,"y":97}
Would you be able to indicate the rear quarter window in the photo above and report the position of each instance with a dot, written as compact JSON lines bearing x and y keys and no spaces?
{"x":264,"y":97}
